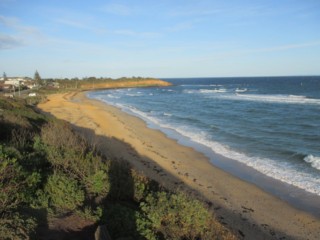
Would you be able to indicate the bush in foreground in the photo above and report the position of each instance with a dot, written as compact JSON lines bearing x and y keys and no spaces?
{"x":176,"y":216}
{"x":64,"y":192}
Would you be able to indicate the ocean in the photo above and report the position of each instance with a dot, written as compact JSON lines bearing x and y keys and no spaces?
{"x":269,"y":124}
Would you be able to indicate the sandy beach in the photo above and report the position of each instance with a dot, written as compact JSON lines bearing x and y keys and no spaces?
{"x":247,"y":210}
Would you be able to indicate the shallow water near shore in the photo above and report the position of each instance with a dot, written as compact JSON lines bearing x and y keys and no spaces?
{"x":263,"y":130}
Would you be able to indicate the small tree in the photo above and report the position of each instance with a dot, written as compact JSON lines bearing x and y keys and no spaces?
{"x":38,"y":79}
{"x":5,"y":78}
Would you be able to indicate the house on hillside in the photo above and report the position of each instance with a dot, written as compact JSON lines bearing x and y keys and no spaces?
{"x":14,"y":82}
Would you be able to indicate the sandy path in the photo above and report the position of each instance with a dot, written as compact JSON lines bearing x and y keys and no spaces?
{"x":248,"y":210}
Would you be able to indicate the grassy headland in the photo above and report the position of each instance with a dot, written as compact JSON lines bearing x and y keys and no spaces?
{"x":93,"y":83}
{"x":123,"y":83}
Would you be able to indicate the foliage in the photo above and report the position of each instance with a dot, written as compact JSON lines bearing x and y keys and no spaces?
{"x":37,"y":78}
{"x":91,"y":214}
{"x":69,"y":153}
{"x":5,"y":78}
{"x":121,"y":182}
{"x":121,"y":221}
{"x":16,"y":185}
{"x":16,"y":115}
{"x":64,"y":192}
{"x":92,"y":82}
{"x":17,"y":226}
{"x":142,"y":186}
{"x":10,"y":179}
{"x":176,"y":216}
{"x":97,"y":183}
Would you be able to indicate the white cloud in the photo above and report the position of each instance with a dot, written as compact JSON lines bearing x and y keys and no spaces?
{"x":14,"y":23}
{"x":9,"y":42}
{"x":21,"y":35}
{"x":72,"y":23}
{"x":285,"y":47}
{"x":117,"y":9}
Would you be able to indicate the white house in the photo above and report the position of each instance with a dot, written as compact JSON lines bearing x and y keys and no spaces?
{"x":16,"y":81}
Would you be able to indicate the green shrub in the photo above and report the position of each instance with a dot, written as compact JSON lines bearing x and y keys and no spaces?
{"x":37,"y":157}
{"x":40,"y":199}
{"x":39,"y":146}
{"x":91,"y":214}
{"x":97,"y":183}
{"x":16,"y":226}
{"x":16,"y":185}
{"x":176,"y":216}
{"x":60,"y":135}
{"x":10,"y":183}
{"x":18,"y":114}
{"x":142,"y":186}
{"x":64,"y":193}
{"x":69,"y":153}
{"x":121,"y":221}
{"x":21,"y":138}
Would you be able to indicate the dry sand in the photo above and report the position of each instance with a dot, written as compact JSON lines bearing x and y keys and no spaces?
{"x":243,"y":207}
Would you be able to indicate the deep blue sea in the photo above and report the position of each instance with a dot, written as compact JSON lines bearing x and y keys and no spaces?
{"x":271,"y":124}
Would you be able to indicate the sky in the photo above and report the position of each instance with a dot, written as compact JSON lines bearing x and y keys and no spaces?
{"x":163,"y":38}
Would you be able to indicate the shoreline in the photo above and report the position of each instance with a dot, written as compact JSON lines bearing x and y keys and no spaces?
{"x":242,"y":206}
{"x":295,"y":196}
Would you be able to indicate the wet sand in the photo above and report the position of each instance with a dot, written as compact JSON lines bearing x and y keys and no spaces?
{"x":246,"y":209}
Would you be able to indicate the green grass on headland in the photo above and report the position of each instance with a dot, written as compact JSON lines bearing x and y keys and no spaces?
{"x":93,"y":83}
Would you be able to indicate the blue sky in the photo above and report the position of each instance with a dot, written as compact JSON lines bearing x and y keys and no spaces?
{"x":163,"y":38}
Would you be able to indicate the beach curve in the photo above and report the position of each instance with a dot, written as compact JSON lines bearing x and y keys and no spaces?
{"x":242,"y":206}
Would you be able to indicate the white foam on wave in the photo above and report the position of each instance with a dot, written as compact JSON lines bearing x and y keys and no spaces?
{"x":282,"y":171}
{"x":133,"y":94}
{"x":313,"y":160}
{"x":112,"y":96}
{"x":206,"y":91}
{"x":190,"y":91}
{"x":290,"y":99}
{"x":146,"y":117}
{"x":201,"y":85}
{"x":241,"y":90}
{"x":216,"y":90}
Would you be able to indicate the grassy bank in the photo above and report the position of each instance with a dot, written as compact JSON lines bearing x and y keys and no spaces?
{"x":93,"y":83}
{"x":55,"y":184}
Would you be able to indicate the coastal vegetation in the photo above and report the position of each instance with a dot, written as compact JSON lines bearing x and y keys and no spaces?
{"x":89,"y":83}
{"x":49,"y":173}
